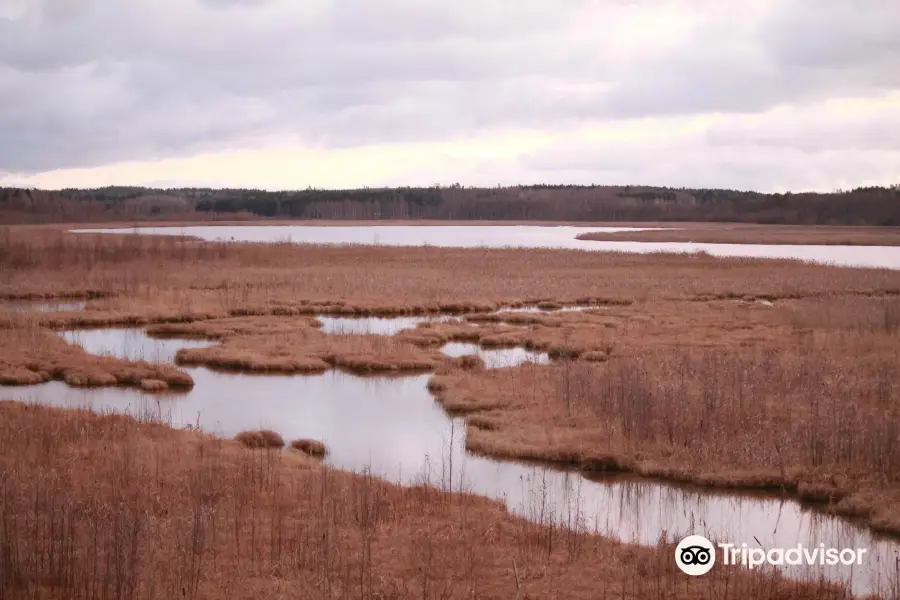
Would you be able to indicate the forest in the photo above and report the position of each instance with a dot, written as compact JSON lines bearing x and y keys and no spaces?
{"x":860,"y":206}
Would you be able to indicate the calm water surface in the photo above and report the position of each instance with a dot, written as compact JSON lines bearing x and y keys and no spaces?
{"x":496,"y":358}
{"x":519,"y":236}
{"x":394,"y":427}
{"x":393,"y":325}
{"x":130,"y":344}
{"x":458,"y":236}
{"x":377,"y":325}
{"x":535,"y":309}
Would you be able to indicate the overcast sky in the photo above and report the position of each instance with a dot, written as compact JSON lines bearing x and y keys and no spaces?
{"x":762,"y":94}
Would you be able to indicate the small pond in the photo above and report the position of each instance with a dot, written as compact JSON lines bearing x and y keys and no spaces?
{"x":496,"y":358}
{"x":377,"y":325}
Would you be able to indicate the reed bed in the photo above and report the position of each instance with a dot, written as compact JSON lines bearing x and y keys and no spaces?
{"x":861,"y":314}
{"x":219,"y":329}
{"x":169,"y":276}
{"x":30,"y":354}
{"x":98,"y":506}
{"x":262,"y":438}
{"x":620,"y":330}
{"x":308,"y":350}
{"x":310,"y":447}
{"x":728,"y":373}
{"x":819,"y":419}
{"x":722,"y":233}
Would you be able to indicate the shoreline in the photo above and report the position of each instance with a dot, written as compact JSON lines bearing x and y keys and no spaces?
{"x":443,"y":372}
{"x":265,"y":506}
{"x":770,"y":235}
{"x":650,"y":231}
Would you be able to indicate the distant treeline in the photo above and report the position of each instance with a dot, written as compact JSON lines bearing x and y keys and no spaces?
{"x":861,"y":206}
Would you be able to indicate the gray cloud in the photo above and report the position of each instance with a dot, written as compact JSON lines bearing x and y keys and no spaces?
{"x":228,"y":3}
{"x":89,"y":82}
{"x":799,"y":51}
{"x":842,"y":34}
{"x":794,"y":149}
{"x":814,"y":131}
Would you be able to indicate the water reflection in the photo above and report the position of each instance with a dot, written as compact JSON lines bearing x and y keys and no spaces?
{"x":129,"y":343}
{"x":377,"y":325}
{"x":536,"y":309}
{"x":395,"y":428}
{"x":496,"y":358}
{"x":458,"y":236}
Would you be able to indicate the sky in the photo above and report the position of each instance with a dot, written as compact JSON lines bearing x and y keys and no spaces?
{"x":771,"y":95}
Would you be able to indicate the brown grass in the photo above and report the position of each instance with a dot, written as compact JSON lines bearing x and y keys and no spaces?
{"x":812,"y":367}
{"x":308,"y":350}
{"x":30,"y":354}
{"x":154,"y":385}
{"x":311,"y":447}
{"x":294,"y":345}
{"x":106,"y":507}
{"x":598,"y":334}
{"x":218,"y":329}
{"x":861,"y":315}
{"x":818,"y":423}
{"x":583,"y":332}
{"x":595,"y":356}
{"x":466,"y":362}
{"x":728,"y":233}
{"x":158,"y":279}
{"x":262,"y":438}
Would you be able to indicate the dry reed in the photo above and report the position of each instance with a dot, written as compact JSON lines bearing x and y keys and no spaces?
{"x":308,"y":350}
{"x":750,"y":351}
{"x":30,"y":354}
{"x":261,"y":438}
{"x":818,"y":423}
{"x":107,"y":507}
{"x":162,"y":278}
{"x":721,"y":233}
{"x":311,"y":447}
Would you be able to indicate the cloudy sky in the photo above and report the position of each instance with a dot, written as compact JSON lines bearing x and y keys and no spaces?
{"x":275,"y":94}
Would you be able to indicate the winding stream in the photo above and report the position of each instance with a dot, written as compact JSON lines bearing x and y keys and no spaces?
{"x":394,"y":427}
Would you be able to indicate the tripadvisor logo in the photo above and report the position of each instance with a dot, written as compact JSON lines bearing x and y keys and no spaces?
{"x":695,"y":555}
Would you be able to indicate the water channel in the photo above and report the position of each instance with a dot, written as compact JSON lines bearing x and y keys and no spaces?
{"x":394,"y":427}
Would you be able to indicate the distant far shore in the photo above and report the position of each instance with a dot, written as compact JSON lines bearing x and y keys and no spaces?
{"x":731,"y":233}
{"x":584,"y":205}
{"x":691,"y":232}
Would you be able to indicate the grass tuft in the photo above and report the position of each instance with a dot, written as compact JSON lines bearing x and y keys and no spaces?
{"x":313,"y":448}
{"x":154,"y":385}
{"x":263,"y":438}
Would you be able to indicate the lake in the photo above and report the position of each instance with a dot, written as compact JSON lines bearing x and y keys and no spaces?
{"x":514,"y":236}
